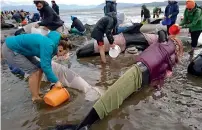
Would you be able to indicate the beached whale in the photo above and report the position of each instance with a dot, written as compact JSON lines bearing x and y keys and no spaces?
{"x":69,"y":79}
{"x":195,"y":67}
{"x":131,"y":37}
{"x":7,"y":26}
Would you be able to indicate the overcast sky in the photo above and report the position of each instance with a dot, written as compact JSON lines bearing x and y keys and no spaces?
{"x":84,"y":2}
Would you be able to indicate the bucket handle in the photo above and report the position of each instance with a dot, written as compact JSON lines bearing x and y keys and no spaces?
{"x":52,"y":85}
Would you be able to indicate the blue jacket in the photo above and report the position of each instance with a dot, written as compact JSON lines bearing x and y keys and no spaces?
{"x":43,"y":47}
{"x":172,"y":9}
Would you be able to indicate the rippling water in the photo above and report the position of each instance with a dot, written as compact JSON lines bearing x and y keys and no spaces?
{"x":179,"y":107}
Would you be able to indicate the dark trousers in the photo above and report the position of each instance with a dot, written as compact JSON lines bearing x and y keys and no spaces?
{"x":194,"y":38}
{"x":168,"y":26}
{"x":146,"y":20}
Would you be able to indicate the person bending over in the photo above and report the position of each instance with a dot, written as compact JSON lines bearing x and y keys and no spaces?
{"x":193,"y":21}
{"x":21,"y":51}
{"x":105,"y":25}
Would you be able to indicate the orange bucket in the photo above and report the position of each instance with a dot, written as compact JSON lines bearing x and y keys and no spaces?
{"x":56,"y":96}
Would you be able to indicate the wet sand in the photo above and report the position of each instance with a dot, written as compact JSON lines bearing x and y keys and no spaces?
{"x":179,"y":108}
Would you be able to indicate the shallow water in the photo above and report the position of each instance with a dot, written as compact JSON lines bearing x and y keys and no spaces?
{"x":180,"y":107}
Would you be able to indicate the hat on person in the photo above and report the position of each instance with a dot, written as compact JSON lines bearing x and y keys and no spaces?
{"x":190,"y":4}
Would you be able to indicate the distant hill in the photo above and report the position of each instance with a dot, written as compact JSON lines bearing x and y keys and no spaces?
{"x":166,"y":3}
{"x":30,"y":7}
{"x":119,"y":5}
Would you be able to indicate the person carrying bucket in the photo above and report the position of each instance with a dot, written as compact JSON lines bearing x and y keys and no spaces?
{"x":77,"y":26}
{"x":21,"y":51}
{"x":171,"y":12}
{"x":151,"y":67}
{"x":105,"y":25}
{"x":193,"y":21}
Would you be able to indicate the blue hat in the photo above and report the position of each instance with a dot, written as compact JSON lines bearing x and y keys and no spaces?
{"x":72,"y":18}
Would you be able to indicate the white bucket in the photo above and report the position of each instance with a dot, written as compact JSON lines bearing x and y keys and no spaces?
{"x":114,"y":52}
{"x":39,"y":31}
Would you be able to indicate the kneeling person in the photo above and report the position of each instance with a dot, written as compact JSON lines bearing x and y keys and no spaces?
{"x":77,"y":26}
